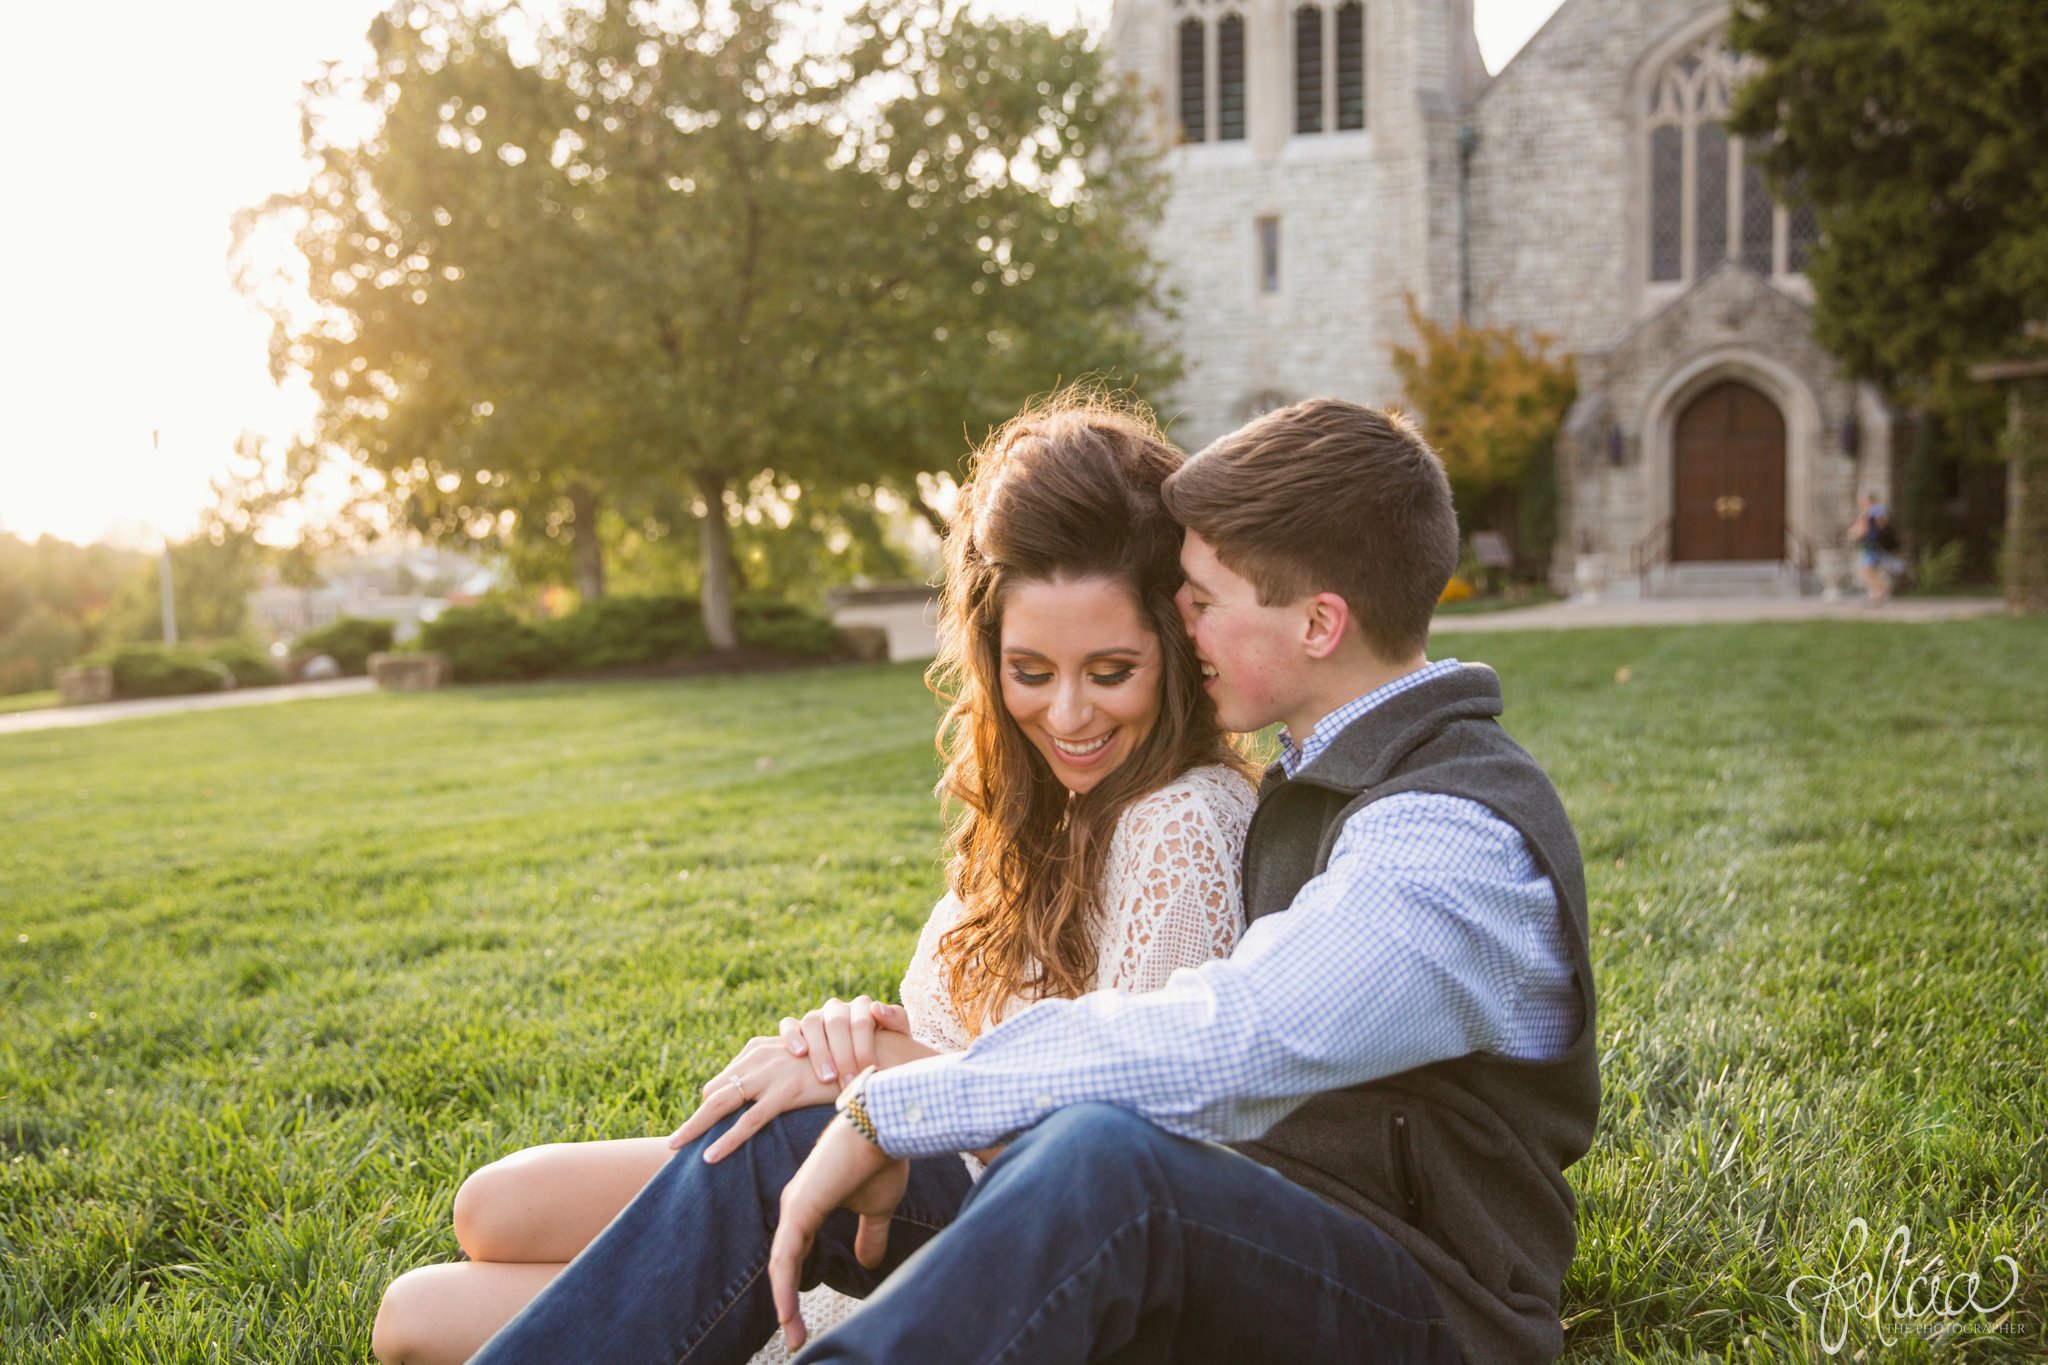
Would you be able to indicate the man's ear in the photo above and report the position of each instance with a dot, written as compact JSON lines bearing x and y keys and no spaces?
{"x":1328,"y":625}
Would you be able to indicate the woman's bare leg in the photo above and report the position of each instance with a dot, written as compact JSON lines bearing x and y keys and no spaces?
{"x":443,"y":1314}
{"x":520,"y":1219}
{"x":545,"y":1204}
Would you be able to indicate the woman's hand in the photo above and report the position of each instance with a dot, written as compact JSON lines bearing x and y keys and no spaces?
{"x":839,"y":1036}
{"x":767,"y":1081}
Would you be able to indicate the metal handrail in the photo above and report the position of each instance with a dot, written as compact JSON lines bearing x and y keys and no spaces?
{"x":1647,"y":553}
{"x":1802,"y":550}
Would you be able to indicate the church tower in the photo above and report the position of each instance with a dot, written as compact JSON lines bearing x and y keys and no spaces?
{"x":1313,"y":155}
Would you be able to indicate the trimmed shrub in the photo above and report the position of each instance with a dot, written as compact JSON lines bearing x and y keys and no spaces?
{"x":154,"y":670}
{"x":619,"y":632}
{"x":349,"y":641}
{"x":487,"y":643}
{"x":250,"y":664}
{"x":785,"y":629}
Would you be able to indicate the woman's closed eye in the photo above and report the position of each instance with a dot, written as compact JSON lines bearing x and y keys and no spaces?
{"x":1119,"y":677}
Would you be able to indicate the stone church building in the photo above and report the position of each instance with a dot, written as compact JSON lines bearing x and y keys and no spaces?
{"x":1330,"y":157}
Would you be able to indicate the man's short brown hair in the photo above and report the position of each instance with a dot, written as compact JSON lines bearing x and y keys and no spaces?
{"x":1329,"y":496}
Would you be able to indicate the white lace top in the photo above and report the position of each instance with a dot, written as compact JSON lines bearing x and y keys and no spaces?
{"x":1171,"y":898}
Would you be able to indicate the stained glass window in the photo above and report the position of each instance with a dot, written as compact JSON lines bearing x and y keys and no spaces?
{"x":1696,"y":194}
{"x":1308,"y":69}
{"x":1350,"y":66}
{"x":1667,"y":203}
{"x":1710,"y":198}
{"x":1759,"y":217}
{"x":1802,"y":231}
{"x":1230,"y":79}
{"x":1194,"y":112}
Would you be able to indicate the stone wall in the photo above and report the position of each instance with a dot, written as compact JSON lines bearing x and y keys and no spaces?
{"x":1553,"y":192}
{"x":1364,"y":216}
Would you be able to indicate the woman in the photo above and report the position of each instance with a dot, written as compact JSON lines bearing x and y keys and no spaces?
{"x":1098,"y":818}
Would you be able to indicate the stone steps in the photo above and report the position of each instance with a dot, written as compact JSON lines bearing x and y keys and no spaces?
{"x":1727,"y":579}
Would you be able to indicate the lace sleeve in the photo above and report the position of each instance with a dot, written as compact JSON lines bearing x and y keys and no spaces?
{"x":933,"y":1021}
{"x":1174,"y":896}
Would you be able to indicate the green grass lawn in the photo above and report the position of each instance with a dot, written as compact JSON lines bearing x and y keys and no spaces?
{"x":27,"y":701}
{"x":273,"y":979}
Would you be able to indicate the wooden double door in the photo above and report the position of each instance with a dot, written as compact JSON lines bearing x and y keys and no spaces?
{"x":1728,"y":463}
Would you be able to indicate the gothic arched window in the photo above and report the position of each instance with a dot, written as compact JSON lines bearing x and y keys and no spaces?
{"x":1212,"y":100}
{"x":1308,"y":69}
{"x":1350,"y":66}
{"x":1230,"y":78}
{"x":1329,"y":93}
{"x":1194,"y":113}
{"x":1708,"y":198}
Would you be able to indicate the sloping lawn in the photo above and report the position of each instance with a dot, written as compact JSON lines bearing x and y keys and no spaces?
{"x":27,"y":701}
{"x":272,"y":980}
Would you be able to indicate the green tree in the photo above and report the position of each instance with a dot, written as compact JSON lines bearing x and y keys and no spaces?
{"x":54,"y":600}
{"x":596,"y":266}
{"x":1919,"y":131}
{"x":212,"y":575}
{"x":1493,"y":404}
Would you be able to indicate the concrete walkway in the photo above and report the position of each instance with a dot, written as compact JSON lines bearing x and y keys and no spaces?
{"x":1705,"y":611}
{"x":911,"y":630}
{"x":911,"y":637}
{"x":70,"y":717}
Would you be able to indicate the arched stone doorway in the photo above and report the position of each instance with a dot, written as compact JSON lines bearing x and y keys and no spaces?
{"x":1728,"y":477}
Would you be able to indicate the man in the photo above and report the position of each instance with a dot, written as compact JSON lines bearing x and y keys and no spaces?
{"x":1401,"y":1047}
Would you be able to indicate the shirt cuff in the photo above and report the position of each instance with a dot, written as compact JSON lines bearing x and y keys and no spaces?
{"x":914,"y":1107}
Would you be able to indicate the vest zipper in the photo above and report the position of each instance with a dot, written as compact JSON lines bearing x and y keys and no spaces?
{"x":1404,"y":1167}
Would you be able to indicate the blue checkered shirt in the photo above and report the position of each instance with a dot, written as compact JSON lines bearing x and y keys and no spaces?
{"x":1430,"y":935}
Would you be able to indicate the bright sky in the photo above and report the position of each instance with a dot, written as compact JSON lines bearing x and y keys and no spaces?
{"x":117,"y":314}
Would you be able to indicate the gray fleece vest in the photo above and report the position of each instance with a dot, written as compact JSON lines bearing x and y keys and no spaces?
{"x":1462,"y":1161}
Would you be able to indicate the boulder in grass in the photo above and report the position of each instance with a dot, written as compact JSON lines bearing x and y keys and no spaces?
{"x":421,"y":672}
{"x":865,"y":644}
{"x":318,"y":668}
{"x":84,"y":685}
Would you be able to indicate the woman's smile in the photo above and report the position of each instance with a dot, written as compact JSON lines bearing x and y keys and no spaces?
{"x":1083,"y":753}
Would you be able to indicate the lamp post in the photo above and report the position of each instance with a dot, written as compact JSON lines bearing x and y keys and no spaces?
{"x":163,"y":574}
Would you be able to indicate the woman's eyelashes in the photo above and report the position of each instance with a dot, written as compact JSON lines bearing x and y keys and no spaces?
{"x":1119,"y":677}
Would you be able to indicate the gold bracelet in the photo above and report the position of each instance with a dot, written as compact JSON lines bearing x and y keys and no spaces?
{"x":853,"y":1103}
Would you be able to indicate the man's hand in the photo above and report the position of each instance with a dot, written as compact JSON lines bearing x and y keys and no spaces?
{"x":839,"y":1036}
{"x":844,"y":1170}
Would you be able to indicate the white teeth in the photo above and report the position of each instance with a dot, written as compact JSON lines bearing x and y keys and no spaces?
{"x":1082,"y":750}
{"x":1208,"y":671}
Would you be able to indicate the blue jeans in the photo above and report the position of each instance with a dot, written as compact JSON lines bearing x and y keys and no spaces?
{"x":1096,"y":1236}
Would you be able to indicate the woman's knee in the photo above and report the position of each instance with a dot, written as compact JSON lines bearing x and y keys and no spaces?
{"x":404,"y":1329}
{"x":493,"y":1209}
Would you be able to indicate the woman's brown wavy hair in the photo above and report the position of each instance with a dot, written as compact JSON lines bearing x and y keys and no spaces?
{"x":1067,"y":490}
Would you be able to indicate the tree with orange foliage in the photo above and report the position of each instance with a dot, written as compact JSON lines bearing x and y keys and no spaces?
{"x":1492,"y":403}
